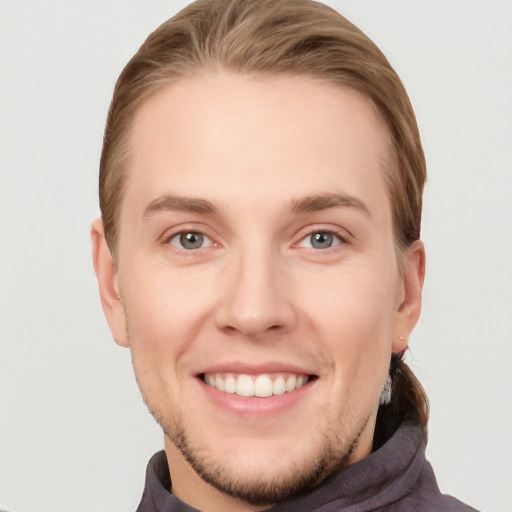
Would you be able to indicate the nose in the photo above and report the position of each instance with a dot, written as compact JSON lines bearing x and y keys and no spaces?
{"x":257,"y":296}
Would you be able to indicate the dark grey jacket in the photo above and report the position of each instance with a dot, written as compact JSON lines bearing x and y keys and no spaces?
{"x":394,"y":478}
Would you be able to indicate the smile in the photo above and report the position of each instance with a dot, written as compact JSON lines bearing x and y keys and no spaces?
{"x":263,"y":385}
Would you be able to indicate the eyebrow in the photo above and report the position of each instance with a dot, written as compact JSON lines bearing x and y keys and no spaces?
{"x":313,"y":203}
{"x":173,"y":203}
{"x":325,"y":201}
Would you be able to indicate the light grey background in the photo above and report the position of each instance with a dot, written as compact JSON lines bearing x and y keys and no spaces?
{"x":74,"y":433}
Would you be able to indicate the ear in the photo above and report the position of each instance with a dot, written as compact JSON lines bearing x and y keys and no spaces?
{"x":409,"y":306}
{"x":107,"y":275}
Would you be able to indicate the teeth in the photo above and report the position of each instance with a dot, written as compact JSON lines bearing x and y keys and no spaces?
{"x":279,"y":386}
{"x":263,"y":386}
{"x":219,"y":382}
{"x":244,"y":385}
{"x":255,"y":385}
{"x":230,"y":385}
{"x":291,"y":381}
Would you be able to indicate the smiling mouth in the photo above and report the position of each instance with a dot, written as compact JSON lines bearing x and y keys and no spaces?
{"x":264,"y":385}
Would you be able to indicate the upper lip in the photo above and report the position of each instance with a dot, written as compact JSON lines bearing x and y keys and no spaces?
{"x":239,"y":367}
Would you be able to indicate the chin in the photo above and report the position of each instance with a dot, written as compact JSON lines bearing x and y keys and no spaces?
{"x":264,"y":472}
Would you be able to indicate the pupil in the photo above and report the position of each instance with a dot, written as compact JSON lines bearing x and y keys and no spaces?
{"x":191,"y":240}
{"x":321,"y":240}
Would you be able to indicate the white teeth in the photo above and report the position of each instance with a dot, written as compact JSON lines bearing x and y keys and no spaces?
{"x":251,"y":385}
{"x":230,"y":384}
{"x":291,"y":381}
{"x":219,"y":383}
{"x":263,"y":386}
{"x":279,"y":386}
{"x":244,"y":386}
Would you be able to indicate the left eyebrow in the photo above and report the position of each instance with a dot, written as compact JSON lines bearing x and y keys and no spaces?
{"x":319,"y":202}
{"x":173,"y":203}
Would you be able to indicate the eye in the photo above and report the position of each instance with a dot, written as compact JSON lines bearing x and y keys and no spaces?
{"x":320,"y":240}
{"x":190,"y":240}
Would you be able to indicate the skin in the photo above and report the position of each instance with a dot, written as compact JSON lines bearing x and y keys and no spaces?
{"x":257,"y":296}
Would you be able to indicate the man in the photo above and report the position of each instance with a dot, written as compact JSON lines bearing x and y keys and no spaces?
{"x":259,"y":254}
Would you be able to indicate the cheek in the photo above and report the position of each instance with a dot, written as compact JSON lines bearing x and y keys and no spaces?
{"x":164,"y":312}
{"x":163,"y":320}
{"x":354,"y":312}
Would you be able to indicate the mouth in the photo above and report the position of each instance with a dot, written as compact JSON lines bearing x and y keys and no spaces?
{"x":261,"y":385}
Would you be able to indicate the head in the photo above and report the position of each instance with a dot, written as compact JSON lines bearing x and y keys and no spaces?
{"x":227,"y":61}
{"x":297,"y":38}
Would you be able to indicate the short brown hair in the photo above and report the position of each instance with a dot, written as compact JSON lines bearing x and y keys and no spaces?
{"x":269,"y":37}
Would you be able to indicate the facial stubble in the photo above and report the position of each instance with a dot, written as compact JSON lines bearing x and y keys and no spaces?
{"x":331,"y":454}
{"x":331,"y":457}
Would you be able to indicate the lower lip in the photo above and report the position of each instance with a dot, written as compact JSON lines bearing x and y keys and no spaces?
{"x":256,"y":406}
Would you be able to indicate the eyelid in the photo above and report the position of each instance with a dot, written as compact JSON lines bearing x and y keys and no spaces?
{"x":342,"y":234}
{"x":206,"y":239}
{"x":172,"y":233}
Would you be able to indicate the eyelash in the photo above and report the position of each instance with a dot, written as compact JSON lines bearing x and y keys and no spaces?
{"x":183,"y":233}
{"x":339,"y":238}
{"x":340,"y":235}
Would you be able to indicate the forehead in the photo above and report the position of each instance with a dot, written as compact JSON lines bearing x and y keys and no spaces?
{"x":255,"y":138}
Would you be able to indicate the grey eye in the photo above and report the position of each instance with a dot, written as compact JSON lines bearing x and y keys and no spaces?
{"x":321,"y":240}
{"x":189,"y":240}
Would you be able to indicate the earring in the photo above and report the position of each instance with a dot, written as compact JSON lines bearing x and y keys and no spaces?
{"x":385,"y":396}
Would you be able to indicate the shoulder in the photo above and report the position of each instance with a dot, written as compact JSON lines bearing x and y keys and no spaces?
{"x":425,"y":496}
{"x":442,"y":503}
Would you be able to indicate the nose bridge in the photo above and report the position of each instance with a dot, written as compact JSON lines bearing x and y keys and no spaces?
{"x":256,"y":298}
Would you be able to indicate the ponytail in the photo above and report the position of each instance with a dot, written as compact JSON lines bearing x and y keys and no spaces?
{"x":408,"y":403}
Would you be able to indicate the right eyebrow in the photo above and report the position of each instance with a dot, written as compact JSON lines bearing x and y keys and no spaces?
{"x":173,"y":203}
{"x":319,"y":202}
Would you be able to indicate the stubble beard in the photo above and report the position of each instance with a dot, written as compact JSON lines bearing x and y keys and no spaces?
{"x":331,"y":456}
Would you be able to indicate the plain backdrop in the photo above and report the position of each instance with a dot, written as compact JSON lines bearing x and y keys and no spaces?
{"x":74,"y":433}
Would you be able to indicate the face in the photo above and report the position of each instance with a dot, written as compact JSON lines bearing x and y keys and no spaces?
{"x":257,"y":282}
